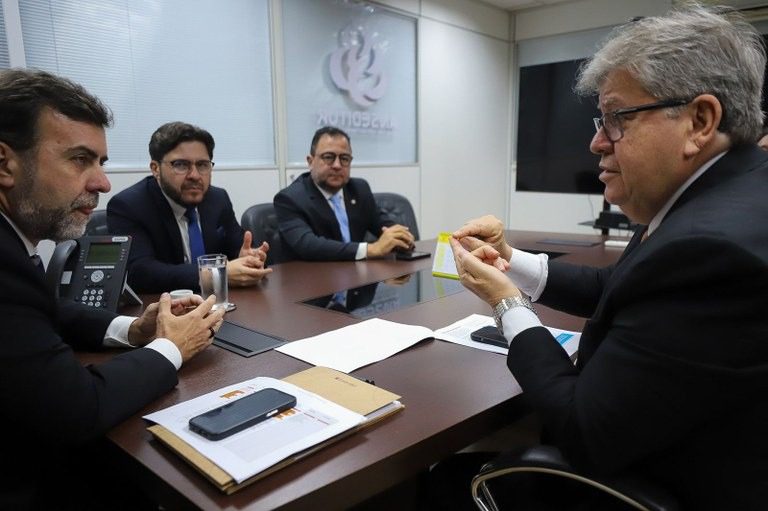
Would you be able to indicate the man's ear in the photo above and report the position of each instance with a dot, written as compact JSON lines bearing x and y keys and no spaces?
{"x":155,"y":168}
{"x":706,"y":114}
{"x":309,"y":160}
{"x":10,"y":166}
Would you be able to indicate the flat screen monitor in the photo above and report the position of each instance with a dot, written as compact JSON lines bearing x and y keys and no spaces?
{"x":554,"y":130}
{"x":388,"y":295}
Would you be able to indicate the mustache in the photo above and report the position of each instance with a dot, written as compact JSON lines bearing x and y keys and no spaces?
{"x":86,"y":200}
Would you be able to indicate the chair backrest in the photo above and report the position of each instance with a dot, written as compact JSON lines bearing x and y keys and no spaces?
{"x":399,"y":209}
{"x":261,"y":220}
{"x":97,"y":224}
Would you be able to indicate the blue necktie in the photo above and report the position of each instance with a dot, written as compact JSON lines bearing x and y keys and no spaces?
{"x":341,"y":216}
{"x":196,"y":247}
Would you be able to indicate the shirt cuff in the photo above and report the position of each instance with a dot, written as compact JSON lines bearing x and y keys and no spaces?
{"x":167,"y":349}
{"x":362,"y":251}
{"x":529,"y":272}
{"x":117,"y":337}
{"x":117,"y":333}
{"x":517,"y":319}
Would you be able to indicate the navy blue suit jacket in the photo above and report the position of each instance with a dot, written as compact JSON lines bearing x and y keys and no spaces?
{"x":49,"y":401}
{"x":156,"y":262}
{"x":672,"y":374}
{"x":309,"y":229}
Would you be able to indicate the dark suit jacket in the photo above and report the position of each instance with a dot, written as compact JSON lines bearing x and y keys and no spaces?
{"x":308,"y":226}
{"x":49,"y":400}
{"x":672,"y":374}
{"x":156,"y":262}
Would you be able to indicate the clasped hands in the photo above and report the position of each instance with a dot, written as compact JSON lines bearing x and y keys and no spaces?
{"x":187,"y":322}
{"x":482,"y":256}
{"x":248,"y":268}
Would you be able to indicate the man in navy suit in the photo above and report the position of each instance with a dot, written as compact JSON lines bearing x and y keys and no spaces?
{"x":324,"y":214}
{"x":672,"y":373}
{"x":165,"y":211}
{"x":52,"y":151}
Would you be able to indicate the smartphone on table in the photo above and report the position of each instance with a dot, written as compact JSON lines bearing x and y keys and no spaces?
{"x":411,"y":255}
{"x":242,"y":413}
{"x":489,"y":335}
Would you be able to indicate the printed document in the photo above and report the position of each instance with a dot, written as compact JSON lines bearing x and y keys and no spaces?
{"x":460,"y":331}
{"x":355,"y":346}
{"x":312,"y":421}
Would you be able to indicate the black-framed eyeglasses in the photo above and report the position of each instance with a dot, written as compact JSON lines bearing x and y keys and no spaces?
{"x":330,"y":158}
{"x":185,"y":166}
{"x":610,"y":122}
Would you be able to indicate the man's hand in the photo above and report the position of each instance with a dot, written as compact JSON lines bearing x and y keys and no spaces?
{"x":392,"y":238}
{"x":259,"y":253}
{"x":484,"y":230}
{"x":191,"y":332}
{"x":246,"y":271}
{"x":144,"y":328}
{"x":484,"y":280}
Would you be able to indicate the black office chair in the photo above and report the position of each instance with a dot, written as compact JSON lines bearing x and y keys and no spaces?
{"x":399,"y":209}
{"x":261,"y":220}
{"x":97,"y":224}
{"x":547,"y":461}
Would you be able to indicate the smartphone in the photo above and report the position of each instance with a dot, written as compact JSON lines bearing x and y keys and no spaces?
{"x":242,"y":413}
{"x":411,"y":255}
{"x":489,"y":335}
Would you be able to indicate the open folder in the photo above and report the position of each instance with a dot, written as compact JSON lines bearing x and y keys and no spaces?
{"x":353,"y":405}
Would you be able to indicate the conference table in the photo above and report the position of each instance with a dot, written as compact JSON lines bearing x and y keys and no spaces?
{"x":453,"y":395}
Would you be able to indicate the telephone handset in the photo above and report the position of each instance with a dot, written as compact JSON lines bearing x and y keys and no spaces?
{"x":91,"y":270}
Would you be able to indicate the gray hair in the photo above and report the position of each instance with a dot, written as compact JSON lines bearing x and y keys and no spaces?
{"x":689,"y":51}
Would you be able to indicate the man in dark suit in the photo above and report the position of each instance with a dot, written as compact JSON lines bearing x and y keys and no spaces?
{"x":672,"y":370}
{"x":52,"y":151}
{"x":165,"y":212}
{"x":324,"y":214}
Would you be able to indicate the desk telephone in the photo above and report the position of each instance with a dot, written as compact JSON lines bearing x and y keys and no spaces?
{"x":91,"y":271}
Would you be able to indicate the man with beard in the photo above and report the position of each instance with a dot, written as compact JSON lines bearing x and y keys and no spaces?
{"x":52,"y":152}
{"x":175,"y":215}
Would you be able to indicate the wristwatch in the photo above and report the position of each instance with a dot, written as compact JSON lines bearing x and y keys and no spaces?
{"x":508,"y":303}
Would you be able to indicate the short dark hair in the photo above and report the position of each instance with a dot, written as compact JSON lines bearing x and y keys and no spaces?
{"x":24,"y":93}
{"x":171,"y":134}
{"x":331,"y":131}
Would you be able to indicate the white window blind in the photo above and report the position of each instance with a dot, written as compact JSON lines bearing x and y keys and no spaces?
{"x":4,"y":60}
{"x":199,"y":61}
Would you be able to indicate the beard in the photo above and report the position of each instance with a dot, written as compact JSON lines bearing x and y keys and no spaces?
{"x":41,"y":221}
{"x":174,"y":194}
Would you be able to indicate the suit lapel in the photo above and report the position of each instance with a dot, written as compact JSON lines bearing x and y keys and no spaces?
{"x":208,"y":224}
{"x":326,"y":219}
{"x":167,"y":219}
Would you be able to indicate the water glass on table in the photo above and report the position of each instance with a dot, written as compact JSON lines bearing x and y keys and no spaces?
{"x":212,"y":269}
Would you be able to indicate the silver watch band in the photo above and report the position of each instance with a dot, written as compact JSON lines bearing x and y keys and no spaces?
{"x":508,"y":303}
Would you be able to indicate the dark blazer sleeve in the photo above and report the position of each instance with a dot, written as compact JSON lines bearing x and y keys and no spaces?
{"x":46,"y":393}
{"x":676,"y":348}
{"x":575,"y":289}
{"x":307,"y":225}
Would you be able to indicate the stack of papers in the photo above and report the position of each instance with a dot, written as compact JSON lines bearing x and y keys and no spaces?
{"x":329,"y":405}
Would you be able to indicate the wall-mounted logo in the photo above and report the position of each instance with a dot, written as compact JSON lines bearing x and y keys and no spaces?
{"x":356,"y":67}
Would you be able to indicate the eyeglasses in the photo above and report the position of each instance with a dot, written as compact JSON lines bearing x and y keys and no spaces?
{"x":185,"y":166}
{"x":344,"y":159}
{"x":611,"y":121}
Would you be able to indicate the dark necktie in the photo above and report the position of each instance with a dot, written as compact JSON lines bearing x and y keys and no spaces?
{"x":38,"y":262}
{"x":196,"y":247}
{"x":341,"y":217}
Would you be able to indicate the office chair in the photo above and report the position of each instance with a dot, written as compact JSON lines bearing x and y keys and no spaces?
{"x":545,"y":460}
{"x":261,"y":220}
{"x":399,"y":209}
{"x":97,"y":224}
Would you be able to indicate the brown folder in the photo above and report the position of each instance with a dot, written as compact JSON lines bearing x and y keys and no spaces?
{"x":345,"y":390}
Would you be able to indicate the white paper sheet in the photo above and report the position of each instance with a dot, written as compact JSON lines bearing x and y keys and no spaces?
{"x":312,"y":421}
{"x":459,"y":332}
{"x":355,"y":346}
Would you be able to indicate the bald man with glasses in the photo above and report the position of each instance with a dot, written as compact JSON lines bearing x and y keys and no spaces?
{"x":324,"y":214}
{"x":175,"y":215}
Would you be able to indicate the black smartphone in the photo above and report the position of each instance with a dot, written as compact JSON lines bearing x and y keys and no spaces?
{"x":489,"y":335}
{"x":411,"y":255}
{"x":242,"y":413}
